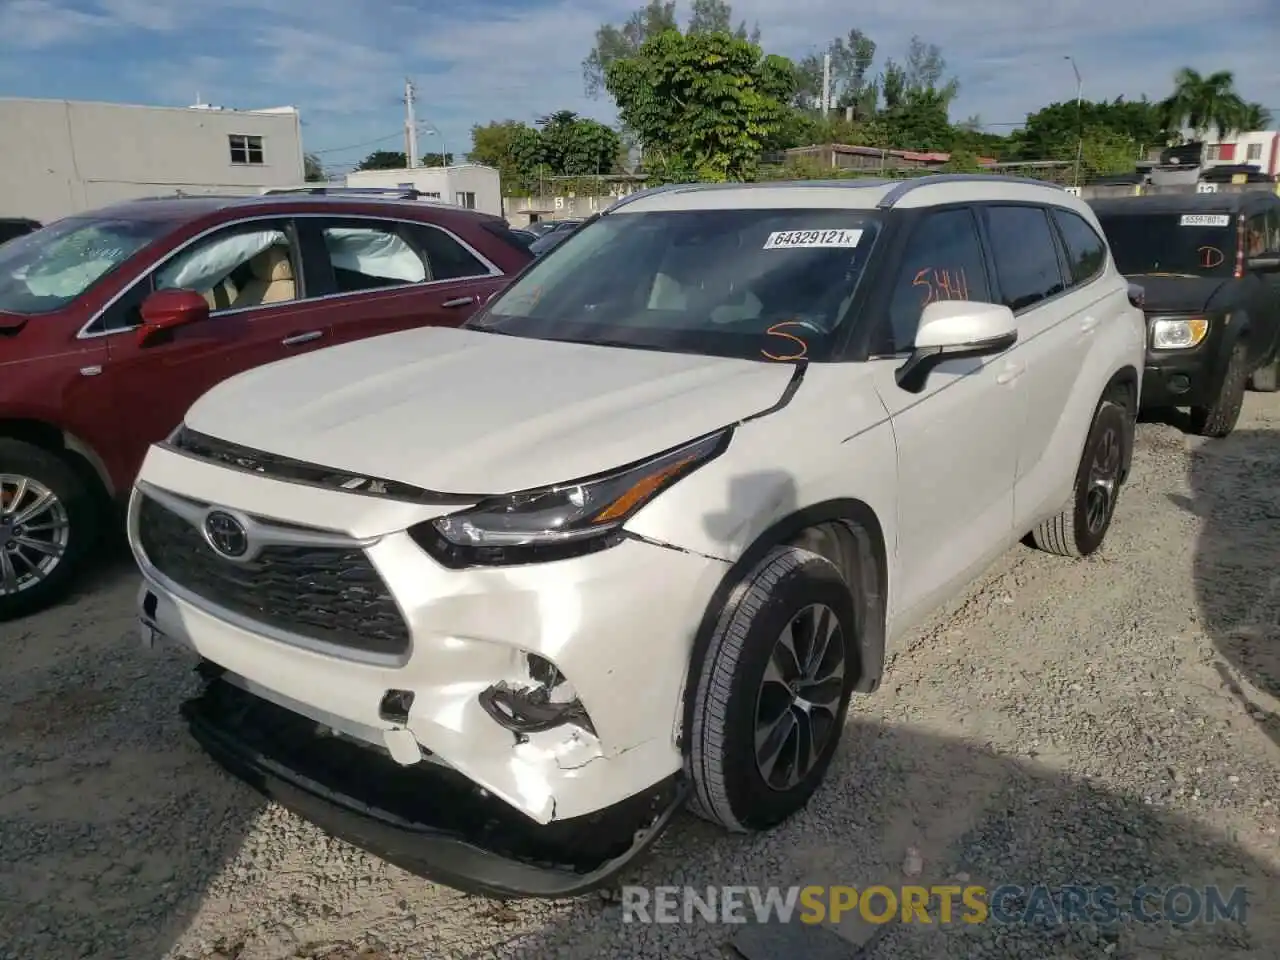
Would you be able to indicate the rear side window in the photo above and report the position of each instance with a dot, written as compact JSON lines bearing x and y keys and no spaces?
{"x":943,"y":261}
{"x":1086,"y":251}
{"x":449,"y":259}
{"x":1025,"y":257}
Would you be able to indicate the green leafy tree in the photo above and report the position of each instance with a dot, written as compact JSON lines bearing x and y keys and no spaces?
{"x":1255,"y":117}
{"x":436,"y":160}
{"x":1204,"y":103}
{"x":919,"y":122}
{"x":702,"y":105}
{"x":1053,"y":132}
{"x":617,"y":43}
{"x":1104,"y":151}
{"x":573,"y":146}
{"x":494,"y":145}
{"x":620,"y":42}
{"x":313,"y":169}
{"x":384,"y":160}
{"x":852,"y":84}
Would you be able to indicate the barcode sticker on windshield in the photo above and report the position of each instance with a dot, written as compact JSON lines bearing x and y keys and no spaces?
{"x":1205,"y":220}
{"x":793,"y":239}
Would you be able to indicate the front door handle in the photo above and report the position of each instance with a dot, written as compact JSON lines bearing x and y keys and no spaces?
{"x":298,"y":338}
{"x":459,"y":302}
{"x":1089,"y":323}
{"x":1010,"y":373}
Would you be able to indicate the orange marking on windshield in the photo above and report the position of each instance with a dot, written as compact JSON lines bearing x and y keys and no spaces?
{"x":777,"y":331}
{"x":1210,"y":257}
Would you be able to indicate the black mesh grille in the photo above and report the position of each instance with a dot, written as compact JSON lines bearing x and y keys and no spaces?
{"x":330,"y":594}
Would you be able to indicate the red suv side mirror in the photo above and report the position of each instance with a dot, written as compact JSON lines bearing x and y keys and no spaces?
{"x":168,"y":310}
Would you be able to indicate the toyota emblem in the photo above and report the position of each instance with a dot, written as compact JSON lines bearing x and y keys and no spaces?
{"x":226,"y":535}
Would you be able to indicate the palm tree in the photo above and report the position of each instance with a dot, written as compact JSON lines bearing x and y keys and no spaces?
{"x":1255,"y":117}
{"x":1204,"y":103}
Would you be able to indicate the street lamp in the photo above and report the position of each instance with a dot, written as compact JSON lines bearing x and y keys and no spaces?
{"x":444,"y":147}
{"x":1079,"y":127}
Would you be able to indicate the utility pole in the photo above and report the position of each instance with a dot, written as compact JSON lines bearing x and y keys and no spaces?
{"x":1079,"y":115}
{"x":826,"y":84}
{"x":410,"y":126}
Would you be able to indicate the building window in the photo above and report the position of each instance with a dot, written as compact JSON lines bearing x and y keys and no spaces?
{"x":1212,"y":152}
{"x":245,"y":149}
{"x":1254,"y":152}
{"x":466,"y":199}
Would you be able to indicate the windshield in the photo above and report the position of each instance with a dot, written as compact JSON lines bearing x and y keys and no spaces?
{"x":48,"y":269}
{"x":762,"y":284}
{"x":1172,"y":244}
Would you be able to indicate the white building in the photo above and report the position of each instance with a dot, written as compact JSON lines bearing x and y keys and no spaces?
{"x":470,"y":185}
{"x":59,"y":157}
{"x":1256,"y":148}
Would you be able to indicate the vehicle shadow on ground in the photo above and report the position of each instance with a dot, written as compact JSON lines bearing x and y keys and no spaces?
{"x":113,"y":825}
{"x":1235,"y":491}
{"x":974,"y":818}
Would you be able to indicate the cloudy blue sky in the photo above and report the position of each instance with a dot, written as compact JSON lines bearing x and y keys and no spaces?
{"x":343,"y":62}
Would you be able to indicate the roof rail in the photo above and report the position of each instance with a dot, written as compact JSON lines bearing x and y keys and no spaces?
{"x":904,"y":187}
{"x":402,"y":193}
{"x":647,"y":192}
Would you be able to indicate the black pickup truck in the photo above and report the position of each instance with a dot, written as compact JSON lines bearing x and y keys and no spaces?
{"x":1209,"y":264}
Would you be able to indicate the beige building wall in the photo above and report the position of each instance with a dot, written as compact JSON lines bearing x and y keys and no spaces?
{"x":60,"y":157}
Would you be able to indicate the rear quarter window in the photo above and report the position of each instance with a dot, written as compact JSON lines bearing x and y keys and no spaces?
{"x":1086,"y":251}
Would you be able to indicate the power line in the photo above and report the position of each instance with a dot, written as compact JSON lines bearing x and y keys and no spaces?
{"x":357,"y":146}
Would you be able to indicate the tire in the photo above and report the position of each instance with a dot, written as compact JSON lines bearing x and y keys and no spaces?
{"x":730,"y":787}
{"x":72,"y":519}
{"x":1265,"y":378}
{"x":1082,"y":526}
{"x":1219,"y":418}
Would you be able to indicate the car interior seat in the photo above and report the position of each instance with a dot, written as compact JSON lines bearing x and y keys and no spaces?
{"x":222,"y":294}
{"x":272,"y":280}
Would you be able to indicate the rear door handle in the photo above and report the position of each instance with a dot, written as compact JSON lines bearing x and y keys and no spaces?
{"x":459,"y":302}
{"x":1089,"y":323}
{"x":1010,"y":373}
{"x":298,"y":338}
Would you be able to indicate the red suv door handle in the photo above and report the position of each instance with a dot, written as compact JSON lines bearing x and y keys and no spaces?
{"x":459,"y":302}
{"x":299,"y":338}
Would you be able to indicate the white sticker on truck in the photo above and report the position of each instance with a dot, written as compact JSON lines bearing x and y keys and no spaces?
{"x":799,"y":239}
{"x":1205,"y":220}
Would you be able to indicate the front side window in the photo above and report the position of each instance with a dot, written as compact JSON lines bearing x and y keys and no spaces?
{"x":1025,"y":257}
{"x":1172,"y":244}
{"x":247,"y":266}
{"x":1086,"y":252}
{"x":1257,"y":235}
{"x":760,"y":284}
{"x":943,"y":261}
{"x":50,"y":268}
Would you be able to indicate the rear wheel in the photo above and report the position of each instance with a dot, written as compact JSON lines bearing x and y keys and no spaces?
{"x":1083,"y":524}
{"x":1219,"y":418}
{"x":49,"y":524}
{"x":772,"y":692}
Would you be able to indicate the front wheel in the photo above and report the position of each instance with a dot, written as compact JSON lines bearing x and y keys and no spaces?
{"x":1083,"y":524}
{"x":49,"y":524}
{"x":1219,"y":418}
{"x":772,"y":692}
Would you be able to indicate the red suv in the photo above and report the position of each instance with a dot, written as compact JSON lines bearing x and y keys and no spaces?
{"x":112,"y":323}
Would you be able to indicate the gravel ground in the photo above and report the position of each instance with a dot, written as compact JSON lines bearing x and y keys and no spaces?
{"x":1103,"y":721}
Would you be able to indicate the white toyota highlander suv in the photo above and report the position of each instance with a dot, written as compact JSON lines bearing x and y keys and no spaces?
{"x":493,"y":602}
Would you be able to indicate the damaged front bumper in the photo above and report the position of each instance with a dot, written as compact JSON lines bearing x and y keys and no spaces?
{"x":424,"y":818}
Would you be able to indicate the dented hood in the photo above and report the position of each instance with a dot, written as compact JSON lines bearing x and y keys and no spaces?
{"x":470,"y":412}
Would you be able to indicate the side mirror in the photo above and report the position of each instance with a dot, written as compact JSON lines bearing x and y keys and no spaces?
{"x":1266,"y":264}
{"x":166,"y":310}
{"x":952,"y":329}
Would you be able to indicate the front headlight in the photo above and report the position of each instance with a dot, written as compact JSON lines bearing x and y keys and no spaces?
{"x":566,"y":520}
{"x":1179,"y":334}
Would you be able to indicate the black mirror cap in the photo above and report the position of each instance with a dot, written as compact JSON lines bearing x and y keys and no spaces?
{"x":913,"y":374}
